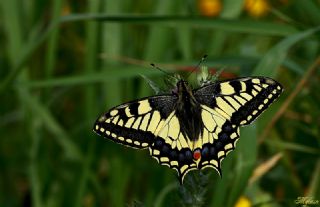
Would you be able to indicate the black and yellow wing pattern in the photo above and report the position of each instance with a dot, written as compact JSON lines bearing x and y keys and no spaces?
{"x":190,"y":129}
{"x":137,"y":123}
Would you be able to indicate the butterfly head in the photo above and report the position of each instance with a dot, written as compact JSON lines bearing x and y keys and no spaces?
{"x":182,"y":86}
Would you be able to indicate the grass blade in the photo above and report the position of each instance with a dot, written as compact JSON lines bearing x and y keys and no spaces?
{"x":70,"y":149}
{"x":111,"y":75}
{"x":236,"y":25}
{"x":246,"y":159}
{"x":90,"y":66}
{"x":276,"y":55}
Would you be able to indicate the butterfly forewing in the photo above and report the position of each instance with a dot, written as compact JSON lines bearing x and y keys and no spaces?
{"x":240,"y":100}
{"x":225,"y":107}
{"x":135,"y":123}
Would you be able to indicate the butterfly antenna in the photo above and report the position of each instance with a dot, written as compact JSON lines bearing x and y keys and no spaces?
{"x":198,"y":65}
{"x":165,"y":72}
{"x":156,"y":67}
{"x":216,"y":76}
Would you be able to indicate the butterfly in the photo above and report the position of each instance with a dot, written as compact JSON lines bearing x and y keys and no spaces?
{"x":189,"y":128}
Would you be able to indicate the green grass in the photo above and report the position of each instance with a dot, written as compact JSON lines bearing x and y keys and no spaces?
{"x":60,"y":72}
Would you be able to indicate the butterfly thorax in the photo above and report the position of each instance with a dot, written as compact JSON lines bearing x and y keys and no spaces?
{"x":188,"y":111}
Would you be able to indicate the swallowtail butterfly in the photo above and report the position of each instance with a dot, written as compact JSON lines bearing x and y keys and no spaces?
{"x":190,"y":128}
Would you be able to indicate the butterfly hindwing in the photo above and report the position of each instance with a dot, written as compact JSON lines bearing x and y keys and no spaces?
{"x":219,"y":137}
{"x":134,"y":124}
{"x":172,"y":148}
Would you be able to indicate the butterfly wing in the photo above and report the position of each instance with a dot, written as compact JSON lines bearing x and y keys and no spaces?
{"x":172,"y":148}
{"x":149,"y":122}
{"x":136,"y":123}
{"x":152,"y":122}
{"x":226,"y":106}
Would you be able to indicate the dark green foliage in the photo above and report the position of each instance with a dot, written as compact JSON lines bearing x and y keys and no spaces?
{"x":58,"y":73}
{"x":193,"y":191}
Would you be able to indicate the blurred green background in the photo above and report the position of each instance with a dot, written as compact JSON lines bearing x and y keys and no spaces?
{"x":64,"y":63}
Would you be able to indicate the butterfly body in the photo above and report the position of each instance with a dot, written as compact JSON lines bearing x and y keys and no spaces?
{"x":188,"y":111}
{"x":190,"y":128}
